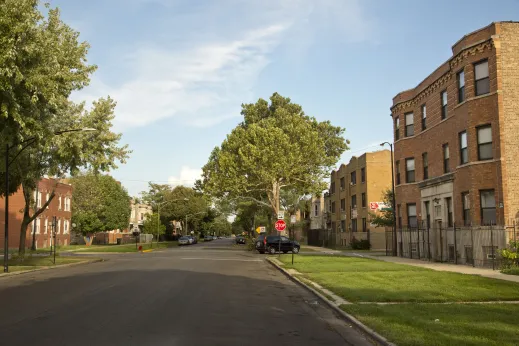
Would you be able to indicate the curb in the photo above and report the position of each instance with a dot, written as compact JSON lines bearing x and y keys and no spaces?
{"x":3,"y":275}
{"x":359,"y":325}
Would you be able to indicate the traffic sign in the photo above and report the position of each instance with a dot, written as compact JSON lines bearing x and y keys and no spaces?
{"x":260,"y":229}
{"x":373,"y":205}
{"x":293,"y":219}
{"x":280,"y":225}
{"x":281,"y":215}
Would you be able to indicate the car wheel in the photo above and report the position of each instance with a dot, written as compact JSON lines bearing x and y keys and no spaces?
{"x":272,"y":250}
{"x":284,"y":251}
{"x":261,"y":252}
{"x":295,"y":250}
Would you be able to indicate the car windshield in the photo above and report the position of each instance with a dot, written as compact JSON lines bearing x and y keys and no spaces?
{"x":184,"y":238}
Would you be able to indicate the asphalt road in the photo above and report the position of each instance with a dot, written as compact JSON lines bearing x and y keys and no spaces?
{"x":183,"y":296}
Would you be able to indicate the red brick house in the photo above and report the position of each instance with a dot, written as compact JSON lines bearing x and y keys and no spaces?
{"x":60,"y":206}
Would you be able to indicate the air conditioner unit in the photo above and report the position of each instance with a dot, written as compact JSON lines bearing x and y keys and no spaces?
{"x":490,"y":256}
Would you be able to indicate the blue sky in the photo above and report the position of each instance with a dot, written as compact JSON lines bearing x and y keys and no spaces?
{"x":180,"y":69}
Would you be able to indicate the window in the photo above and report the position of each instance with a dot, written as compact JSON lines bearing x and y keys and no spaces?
{"x":424,"y":117}
{"x":39,"y":200}
{"x":58,"y":227}
{"x":465,"y":202}
{"x":488,"y":207}
{"x":343,"y":225}
{"x":354,"y":178}
{"x":481,"y":77}
{"x":427,"y":214}
{"x":444,"y":104}
{"x":59,"y":203}
{"x":409,"y":124}
{"x":399,"y":211}
{"x":397,"y":128}
{"x":142,"y":216}
{"x":353,"y":204}
{"x":316,"y":210}
{"x":343,"y":204}
{"x":446,"y":155}
{"x":448,"y":202}
{"x":343,"y":185}
{"x":464,"y":153}
{"x":397,"y":168}
{"x":65,"y":227}
{"x":67,"y":203}
{"x":363,"y":175}
{"x":47,"y":199}
{"x":411,"y":215}
{"x":461,"y":86}
{"x":37,"y":224}
{"x":332,"y":188}
{"x":364,"y":225}
{"x":409,"y":171}
{"x":354,"y":225}
{"x":425,"y":161}
{"x":363,"y":197}
{"x":485,"y":143}
{"x":46,"y":226}
{"x":333,"y":207}
{"x":329,"y":207}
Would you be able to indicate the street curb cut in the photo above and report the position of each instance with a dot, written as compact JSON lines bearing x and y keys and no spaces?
{"x":4,"y":275}
{"x":359,"y":325}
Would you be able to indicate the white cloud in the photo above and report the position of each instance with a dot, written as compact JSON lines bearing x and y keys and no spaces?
{"x":201,"y":77}
{"x":187,"y":177}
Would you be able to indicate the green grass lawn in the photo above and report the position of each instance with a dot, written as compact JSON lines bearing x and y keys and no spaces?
{"x":127,"y":247}
{"x":360,"y":280}
{"x":459,"y":324}
{"x":29,"y":263}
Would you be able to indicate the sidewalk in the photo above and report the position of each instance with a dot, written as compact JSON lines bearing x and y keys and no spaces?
{"x":455,"y":268}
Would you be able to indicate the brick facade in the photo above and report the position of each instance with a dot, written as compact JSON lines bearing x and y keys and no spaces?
{"x":466,"y":111}
{"x":60,"y":207}
{"x":352,"y":188}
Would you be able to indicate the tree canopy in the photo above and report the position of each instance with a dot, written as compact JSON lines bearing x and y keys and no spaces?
{"x":276,"y":146}
{"x":385,"y":217}
{"x":152,"y":225}
{"x":41,"y":63}
{"x":99,"y":203}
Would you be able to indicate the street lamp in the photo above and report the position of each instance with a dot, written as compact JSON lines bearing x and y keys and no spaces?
{"x":158,"y":214}
{"x":393,"y":199}
{"x":8,"y":148}
{"x":202,"y":212}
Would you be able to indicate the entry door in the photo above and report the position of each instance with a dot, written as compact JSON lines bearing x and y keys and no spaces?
{"x":428,"y":213}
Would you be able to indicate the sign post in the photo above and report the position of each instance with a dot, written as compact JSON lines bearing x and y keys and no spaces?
{"x":293,"y":220}
{"x":280,"y":227}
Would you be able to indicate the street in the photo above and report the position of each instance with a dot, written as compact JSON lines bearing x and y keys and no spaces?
{"x":204,"y":294}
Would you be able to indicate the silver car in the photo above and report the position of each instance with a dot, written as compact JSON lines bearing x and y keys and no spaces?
{"x":184,"y":241}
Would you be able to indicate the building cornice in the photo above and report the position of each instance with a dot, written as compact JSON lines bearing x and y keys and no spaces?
{"x":456,"y":60}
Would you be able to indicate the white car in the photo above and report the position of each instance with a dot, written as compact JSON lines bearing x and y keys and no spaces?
{"x":185,"y":241}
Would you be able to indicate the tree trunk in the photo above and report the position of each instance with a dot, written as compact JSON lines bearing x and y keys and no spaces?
{"x":33,"y":245}
{"x":23,"y":233}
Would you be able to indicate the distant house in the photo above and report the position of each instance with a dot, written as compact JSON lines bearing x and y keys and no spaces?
{"x":138,"y":214}
{"x":59,"y":207}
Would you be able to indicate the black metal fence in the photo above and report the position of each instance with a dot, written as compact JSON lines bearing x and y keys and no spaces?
{"x":478,"y":246}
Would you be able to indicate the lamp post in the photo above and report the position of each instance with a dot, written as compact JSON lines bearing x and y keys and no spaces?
{"x":393,"y":199}
{"x":202,"y":212}
{"x":158,"y":214}
{"x":8,"y":148}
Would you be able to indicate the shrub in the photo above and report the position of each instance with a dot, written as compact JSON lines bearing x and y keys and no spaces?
{"x":510,"y":256}
{"x":360,"y":244}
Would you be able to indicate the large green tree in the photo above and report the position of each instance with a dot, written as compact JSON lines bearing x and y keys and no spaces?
{"x":152,"y":225}
{"x":385,"y":217}
{"x":99,"y":203}
{"x":276,"y":146}
{"x":41,"y":63}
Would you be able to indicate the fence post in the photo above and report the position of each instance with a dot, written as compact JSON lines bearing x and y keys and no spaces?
{"x":455,"y":246}
{"x":401,"y":243}
{"x":492,"y":247}
{"x":472,"y":246}
{"x":441,"y":243}
{"x":429,"y":242}
{"x":418,"y":242}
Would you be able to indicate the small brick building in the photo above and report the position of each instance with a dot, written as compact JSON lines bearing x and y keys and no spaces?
{"x":456,"y":135}
{"x":60,"y":207}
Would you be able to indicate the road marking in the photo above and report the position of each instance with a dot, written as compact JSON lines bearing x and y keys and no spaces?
{"x":222,"y":259}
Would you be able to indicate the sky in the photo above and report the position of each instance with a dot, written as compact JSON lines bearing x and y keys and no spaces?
{"x":180,"y":69}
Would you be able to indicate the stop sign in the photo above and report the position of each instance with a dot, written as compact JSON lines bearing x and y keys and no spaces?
{"x":280,"y":225}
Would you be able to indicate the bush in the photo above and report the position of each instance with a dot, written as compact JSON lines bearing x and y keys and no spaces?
{"x":511,"y":271}
{"x":510,"y":256}
{"x":360,"y":244}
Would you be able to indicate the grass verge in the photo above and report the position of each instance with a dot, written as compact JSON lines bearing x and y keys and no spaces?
{"x":128,"y":247}
{"x":421,"y":320}
{"x":30,"y":263}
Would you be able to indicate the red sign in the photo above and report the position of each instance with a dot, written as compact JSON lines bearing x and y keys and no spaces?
{"x":280,"y":225}
{"x":373,"y":205}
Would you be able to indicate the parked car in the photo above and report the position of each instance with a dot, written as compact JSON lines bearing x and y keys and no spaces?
{"x":208,"y":238}
{"x":240,"y":239}
{"x":184,"y":241}
{"x":194,"y":239}
{"x":273,"y":243}
{"x":214,"y":237}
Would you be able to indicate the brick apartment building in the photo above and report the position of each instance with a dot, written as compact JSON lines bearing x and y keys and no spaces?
{"x":352,"y":188}
{"x":456,"y":135}
{"x":60,"y":207}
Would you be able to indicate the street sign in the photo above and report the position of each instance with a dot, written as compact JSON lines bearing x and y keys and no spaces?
{"x":293,"y":219}
{"x":281,"y":215}
{"x":280,"y":225}
{"x":373,"y":205}
{"x":261,"y":229}
{"x":378,"y":206}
